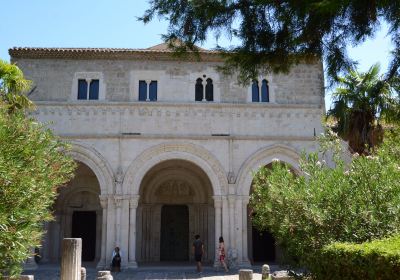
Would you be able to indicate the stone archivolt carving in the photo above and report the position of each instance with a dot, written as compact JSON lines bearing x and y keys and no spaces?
{"x":174,"y":188}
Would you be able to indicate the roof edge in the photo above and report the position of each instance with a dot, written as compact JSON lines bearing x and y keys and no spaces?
{"x":112,"y":53}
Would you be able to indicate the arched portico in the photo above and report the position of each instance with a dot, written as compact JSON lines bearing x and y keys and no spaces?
{"x":260,"y":158}
{"x":191,"y":172}
{"x":78,"y":213}
{"x":82,"y":201}
{"x":175,"y":204}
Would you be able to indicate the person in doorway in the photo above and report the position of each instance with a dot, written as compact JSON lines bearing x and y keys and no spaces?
{"x":198,"y":251}
{"x":221,"y":253}
{"x":116,"y":260}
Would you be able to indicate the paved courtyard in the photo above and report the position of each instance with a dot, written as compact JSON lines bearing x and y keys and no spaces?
{"x":52,"y":272}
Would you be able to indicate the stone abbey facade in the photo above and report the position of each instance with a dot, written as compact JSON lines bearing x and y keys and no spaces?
{"x":166,"y":148}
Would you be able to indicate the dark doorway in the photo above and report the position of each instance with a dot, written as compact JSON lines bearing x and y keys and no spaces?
{"x":263,"y":246}
{"x":174,"y":233}
{"x":84,"y":226}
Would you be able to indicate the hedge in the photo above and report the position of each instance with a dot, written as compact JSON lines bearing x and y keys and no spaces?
{"x":377,"y":260}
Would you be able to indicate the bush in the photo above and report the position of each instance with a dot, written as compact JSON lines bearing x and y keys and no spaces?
{"x":354,"y":202}
{"x":32,"y":166}
{"x":367,"y":261}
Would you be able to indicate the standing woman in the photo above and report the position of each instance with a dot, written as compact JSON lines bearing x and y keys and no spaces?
{"x":116,"y":260}
{"x":221,"y":251}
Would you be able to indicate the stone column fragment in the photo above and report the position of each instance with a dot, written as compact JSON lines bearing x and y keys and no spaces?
{"x":71,"y":256}
{"x":104,"y":275}
{"x":245,"y":274}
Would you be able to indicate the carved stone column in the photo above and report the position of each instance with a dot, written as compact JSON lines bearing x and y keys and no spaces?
{"x":245,"y":258}
{"x":104,"y":204}
{"x":225,"y":220}
{"x":218,"y":225}
{"x":118,"y":205}
{"x":133,"y":204}
{"x":232,"y":201}
{"x":238,"y":229}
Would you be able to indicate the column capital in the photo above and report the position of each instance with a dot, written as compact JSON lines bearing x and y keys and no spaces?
{"x":217,"y":201}
{"x":232,"y":199}
{"x":134,"y":201}
{"x":245,"y":199}
{"x":103,"y":201}
{"x":118,"y":200}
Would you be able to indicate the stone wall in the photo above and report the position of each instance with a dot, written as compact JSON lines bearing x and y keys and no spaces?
{"x":56,"y":80}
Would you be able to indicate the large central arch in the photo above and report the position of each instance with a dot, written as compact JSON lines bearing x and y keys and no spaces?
{"x":176,"y":203}
{"x":170,"y":151}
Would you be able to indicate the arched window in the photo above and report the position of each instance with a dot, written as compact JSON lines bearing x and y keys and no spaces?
{"x":153,"y":91}
{"x":255,"y":93}
{"x":264,"y":91}
{"x":142,"y":90}
{"x":94,"y":90}
{"x":82,"y":89}
{"x":209,"y":90}
{"x":199,"y":90}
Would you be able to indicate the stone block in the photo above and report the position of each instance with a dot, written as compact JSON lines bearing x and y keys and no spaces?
{"x":281,"y":275}
{"x":245,"y":274}
{"x":104,"y":275}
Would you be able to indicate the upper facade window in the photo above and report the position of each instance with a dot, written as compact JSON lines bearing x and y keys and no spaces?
{"x":147,"y":90}
{"x":204,"y":93}
{"x":88,"y":86}
{"x":257,"y":88}
{"x":88,"y":89}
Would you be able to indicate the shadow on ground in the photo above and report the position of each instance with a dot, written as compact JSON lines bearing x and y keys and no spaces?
{"x":52,"y":272}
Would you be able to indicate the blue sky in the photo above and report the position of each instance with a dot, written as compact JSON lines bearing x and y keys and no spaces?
{"x":113,"y":23}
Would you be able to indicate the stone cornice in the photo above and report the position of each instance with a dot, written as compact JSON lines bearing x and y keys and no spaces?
{"x":189,"y":105}
{"x":187,"y":137}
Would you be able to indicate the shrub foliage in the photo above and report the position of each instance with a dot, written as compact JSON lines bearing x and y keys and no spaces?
{"x":354,"y":202}
{"x":32,"y":166}
{"x":379,"y":259}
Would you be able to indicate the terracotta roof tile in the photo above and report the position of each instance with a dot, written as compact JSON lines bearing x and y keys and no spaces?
{"x":158,"y":52}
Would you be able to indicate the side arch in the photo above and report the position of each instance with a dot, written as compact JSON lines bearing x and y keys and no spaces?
{"x":263,"y":157}
{"x":97,"y":163}
{"x":163,"y":152}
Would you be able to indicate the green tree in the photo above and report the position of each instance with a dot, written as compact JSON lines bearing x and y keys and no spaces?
{"x":353,"y":202}
{"x":13,"y":85}
{"x":273,"y":35}
{"x":360,"y":103}
{"x":33,"y":164}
